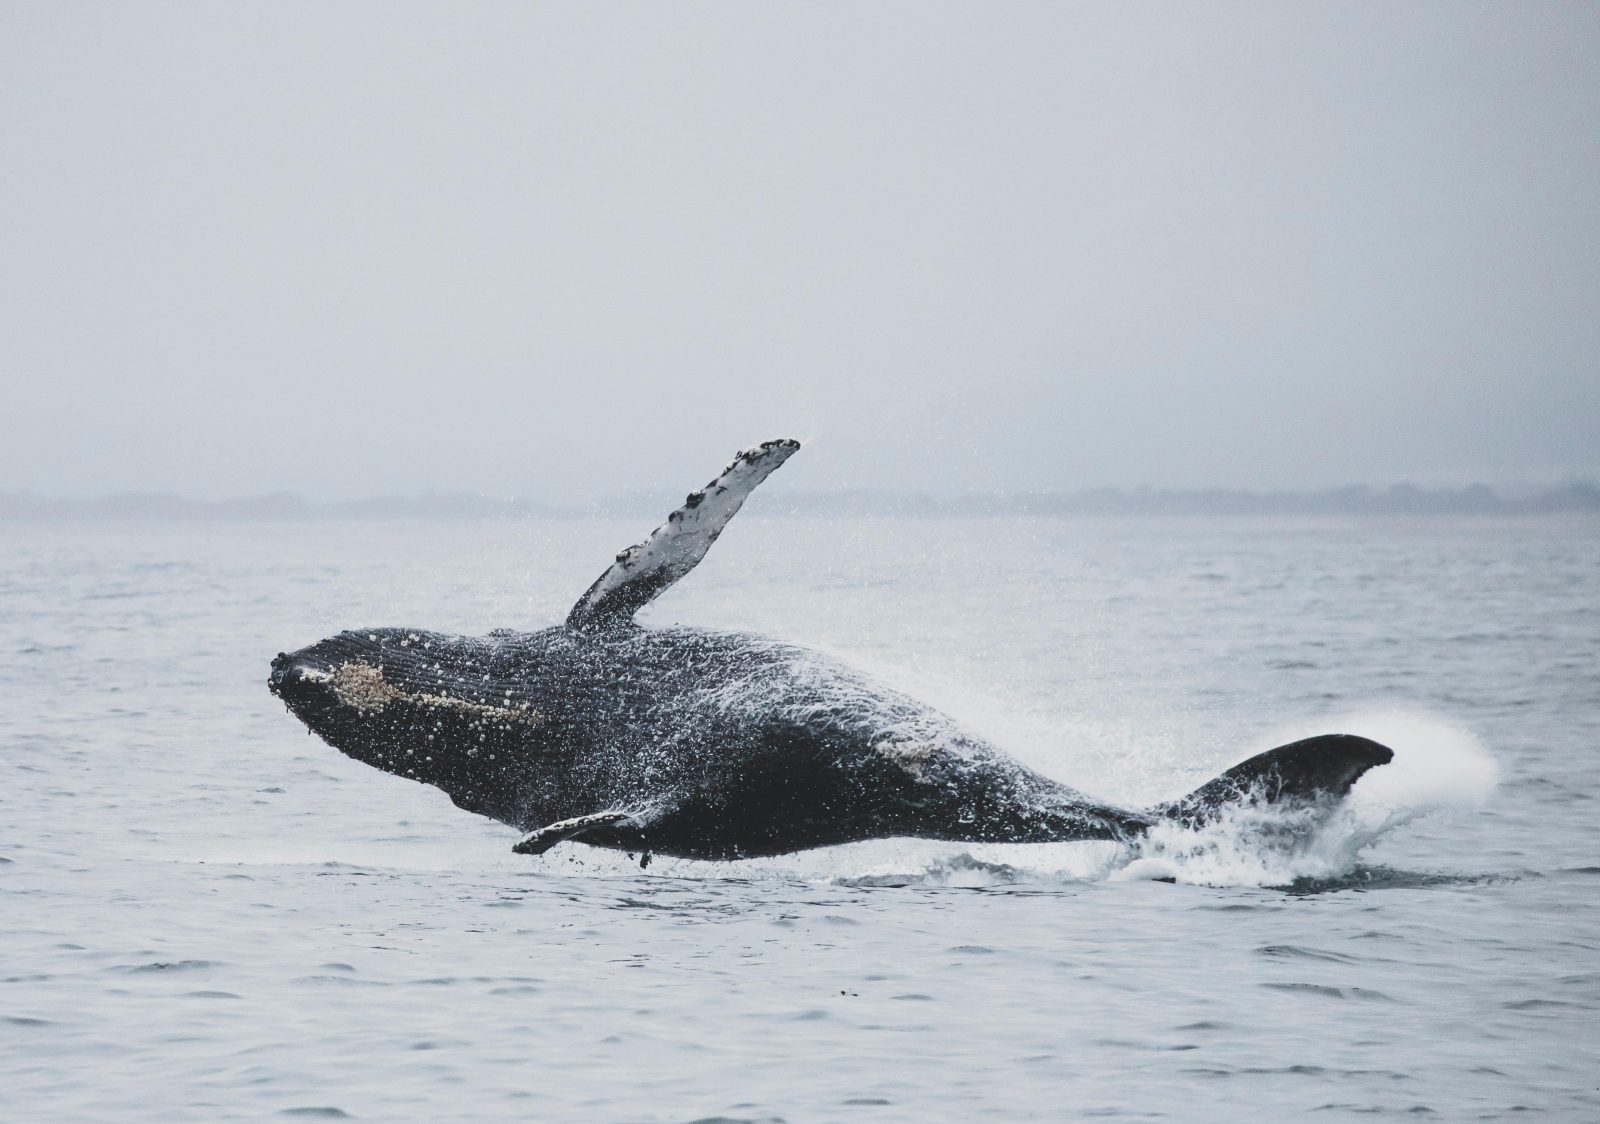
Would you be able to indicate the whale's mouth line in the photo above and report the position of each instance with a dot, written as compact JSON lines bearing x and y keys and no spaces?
{"x":363,"y":687}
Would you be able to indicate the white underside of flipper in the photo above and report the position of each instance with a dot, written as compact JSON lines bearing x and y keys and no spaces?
{"x":540,"y":840}
{"x":676,"y":547}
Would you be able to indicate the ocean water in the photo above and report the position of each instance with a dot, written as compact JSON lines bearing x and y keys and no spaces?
{"x":206,"y":914}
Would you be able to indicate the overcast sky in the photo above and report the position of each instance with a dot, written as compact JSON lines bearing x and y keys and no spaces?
{"x":574,"y":250}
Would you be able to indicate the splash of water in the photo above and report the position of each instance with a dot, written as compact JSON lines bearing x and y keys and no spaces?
{"x":1437,"y":767}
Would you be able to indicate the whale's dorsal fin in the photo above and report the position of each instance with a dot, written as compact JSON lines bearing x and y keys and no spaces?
{"x":675,"y":547}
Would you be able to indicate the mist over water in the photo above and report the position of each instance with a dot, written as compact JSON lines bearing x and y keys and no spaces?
{"x":206,"y":914}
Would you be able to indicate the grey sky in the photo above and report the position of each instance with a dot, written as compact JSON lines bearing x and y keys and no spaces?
{"x":578,"y":249}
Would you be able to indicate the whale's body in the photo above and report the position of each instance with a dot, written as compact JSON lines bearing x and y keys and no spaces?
{"x":717,"y":745}
{"x":710,"y":745}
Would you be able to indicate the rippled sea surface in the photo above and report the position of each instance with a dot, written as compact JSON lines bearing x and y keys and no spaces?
{"x":206,"y":914}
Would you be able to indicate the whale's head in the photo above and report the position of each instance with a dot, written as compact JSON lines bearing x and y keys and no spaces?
{"x":338,"y":682}
{"x":439,"y":709}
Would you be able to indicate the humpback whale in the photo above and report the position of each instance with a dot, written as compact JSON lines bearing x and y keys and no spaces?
{"x":713,"y":745}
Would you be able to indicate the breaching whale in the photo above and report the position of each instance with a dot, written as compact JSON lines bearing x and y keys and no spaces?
{"x":713,"y":745}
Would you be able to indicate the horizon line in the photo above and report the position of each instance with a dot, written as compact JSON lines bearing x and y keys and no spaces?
{"x":1351,"y":499}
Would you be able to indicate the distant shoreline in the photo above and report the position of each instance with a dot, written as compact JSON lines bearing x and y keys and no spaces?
{"x":1400,"y":499}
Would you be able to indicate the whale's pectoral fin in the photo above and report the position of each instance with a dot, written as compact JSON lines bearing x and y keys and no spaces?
{"x":676,"y":547}
{"x":540,"y":840}
{"x":1305,"y":772}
